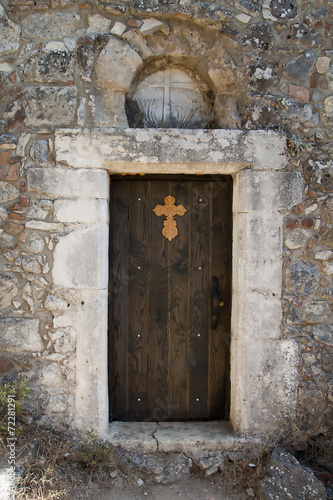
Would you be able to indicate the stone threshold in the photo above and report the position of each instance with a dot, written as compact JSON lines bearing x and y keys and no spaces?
{"x":170,"y":437}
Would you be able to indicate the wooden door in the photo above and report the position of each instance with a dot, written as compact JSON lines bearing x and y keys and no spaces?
{"x":170,"y":299}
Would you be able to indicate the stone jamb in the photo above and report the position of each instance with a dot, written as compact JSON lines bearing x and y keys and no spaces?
{"x":263,"y":365}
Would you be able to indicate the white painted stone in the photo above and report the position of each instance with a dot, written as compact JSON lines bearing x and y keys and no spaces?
{"x":81,"y":259}
{"x":87,"y":210}
{"x":20,"y":335}
{"x":98,"y":24}
{"x":118,"y":28}
{"x":67,"y":183}
{"x":267,"y":150}
{"x":9,"y":34}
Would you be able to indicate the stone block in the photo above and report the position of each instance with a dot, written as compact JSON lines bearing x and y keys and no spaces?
{"x":117,"y":65}
{"x":151,"y":150}
{"x":54,"y":63}
{"x":20,"y":335}
{"x":9,"y":34}
{"x":81,"y":259}
{"x":269,"y":395}
{"x":66,"y":183}
{"x":286,"y":479}
{"x":8,"y":290}
{"x":50,"y":26}
{"x":269,"y":191}
{"x":8,"y":192}
{"x":50,"y":106}
{"x":259,"y":266}
{"x":87,"y":210}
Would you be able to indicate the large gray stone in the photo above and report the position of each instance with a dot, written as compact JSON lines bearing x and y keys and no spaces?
{"x":8,"y":290}
{"x":299,"y":70}
{"x":50,"y":25}
{"x":50,"y":105}
{"x":285,"y":478}
{"x":39,"y":152}
{"x":117,"y":65}
{"x":301,"y":278}
{"x":284,"y":9}
{"x":9,"y":34}
{"x":54,"y":63}
{"x":20,"y":335}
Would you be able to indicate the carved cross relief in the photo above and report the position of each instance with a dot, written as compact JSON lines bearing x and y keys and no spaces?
{"x":170,"y":98}
{"x":169,"y":230}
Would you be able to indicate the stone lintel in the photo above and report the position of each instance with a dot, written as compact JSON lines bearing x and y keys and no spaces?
{"x":141,"y":149}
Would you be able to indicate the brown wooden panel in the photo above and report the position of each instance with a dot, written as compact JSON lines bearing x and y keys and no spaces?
{"x":199,"y":297}
{"x":220,"y":263}
{"x":139,"y":294}
{"x":119,"y":279}
{"x":159,"y":297}
{"x":178,"y":308}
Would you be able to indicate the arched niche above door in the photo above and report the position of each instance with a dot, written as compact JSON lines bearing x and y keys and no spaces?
{"x":168,"y":98}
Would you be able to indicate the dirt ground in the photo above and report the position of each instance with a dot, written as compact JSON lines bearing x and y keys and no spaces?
{"x":189,"y":489}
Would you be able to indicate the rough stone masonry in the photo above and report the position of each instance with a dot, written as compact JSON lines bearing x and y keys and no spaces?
{"x":68,"y":69}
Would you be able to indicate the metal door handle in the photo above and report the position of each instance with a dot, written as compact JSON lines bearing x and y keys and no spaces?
{"x":215,"y":305}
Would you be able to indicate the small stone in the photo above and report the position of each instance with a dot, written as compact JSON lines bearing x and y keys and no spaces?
{"x":322,"y":64}
{"x":299,"y":92}
{"x":4,"y":158}
{"x":8,"y":192}
{"x":327,"y":240}
{"x":317,"y":311}
{"x":296,"y":239}
{"x":324,"y":255}
{"x":118,"y":28}
{"x":308,"y":222}
{"x":327,"y":268}
{"x":35,"y":243}
{"x":150,"y":26}
{"x":250,"y":6}
{"x":301,"y":278}
{"x":313,"y":241}
{"x":8,"y":289}
{"x":284,"y":10}
{"x":39,"y":152}
{"x":13,"y":173}
{"x":11,"y":254}
{"x":98,"y":24}
{"x":324,"y":333}
{"x":9,"y":34}
{"x":30,"y":264}
{"x":12,"y":228}
{"x":243,"y":18}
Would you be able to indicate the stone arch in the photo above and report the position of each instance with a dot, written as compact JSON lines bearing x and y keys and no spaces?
{"x":121,"y":62}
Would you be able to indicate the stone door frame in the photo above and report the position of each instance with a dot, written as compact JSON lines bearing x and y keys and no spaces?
{"x":263,"y":363}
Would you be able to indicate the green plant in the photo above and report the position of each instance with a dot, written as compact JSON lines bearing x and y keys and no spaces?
{"x":12,"y":395}
{"x":95,"y":454}
{"x":295,"y":145}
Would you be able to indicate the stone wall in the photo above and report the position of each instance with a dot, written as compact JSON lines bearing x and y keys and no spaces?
{"x":262,"y":64}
